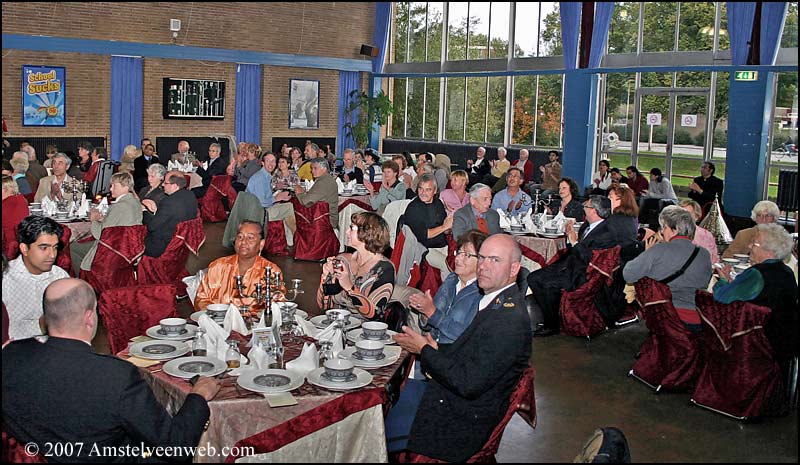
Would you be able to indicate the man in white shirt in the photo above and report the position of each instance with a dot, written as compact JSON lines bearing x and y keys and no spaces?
{"x":29,"y":274}
{"x":479,"y":168}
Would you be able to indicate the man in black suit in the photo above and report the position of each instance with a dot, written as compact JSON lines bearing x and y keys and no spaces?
{"x":569,"y":272}
{"x":478,"y":169}
{"x":140,"y":165}
{"x":216,"y":166}
{"x":706,"y":187}
{"x":161,"y":220}
{"x":471,"y":380}
{"x":61,"y":392}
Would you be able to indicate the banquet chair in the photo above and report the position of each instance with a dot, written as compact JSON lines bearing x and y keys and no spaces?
{"x":118,"y":252}
{"x":580,"y":315}
{"x":522,"y":401}
{"x":276,"y":239}
{"x":170,"y":267}
{"x":128,"y":312}
{"x":30,"y":197}
{"x":392,"y":213}
{"x":211,"y":207}
{"x":14,"y":452}
{"x":314,"y":238}
{"x":358,"y":203}
{"x":740,"y":377}
{"x":670,"y":357}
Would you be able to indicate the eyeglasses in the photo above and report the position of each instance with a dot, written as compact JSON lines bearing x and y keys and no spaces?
{"x":465,"y":254}
{"x":492,"y":259}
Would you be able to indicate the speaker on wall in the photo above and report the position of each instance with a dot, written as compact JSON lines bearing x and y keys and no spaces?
{"x":369,"y":50}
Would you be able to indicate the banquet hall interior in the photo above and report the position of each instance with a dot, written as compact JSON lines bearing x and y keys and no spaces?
{"x":670,"y":86}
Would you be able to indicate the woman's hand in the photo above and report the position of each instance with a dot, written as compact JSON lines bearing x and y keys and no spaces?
{"x":423,"y":303}
{"x":725,"y":272}
{"x":327,"y":267}
{"x":342,"y":274}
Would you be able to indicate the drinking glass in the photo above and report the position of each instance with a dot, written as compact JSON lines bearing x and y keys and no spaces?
{"x":232,"y":356}
{"x":199,"y":347}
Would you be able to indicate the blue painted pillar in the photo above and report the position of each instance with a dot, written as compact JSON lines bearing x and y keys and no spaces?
{"x":580,"y":110}
{"x":749,"y":117}
{"x":375,"y":86}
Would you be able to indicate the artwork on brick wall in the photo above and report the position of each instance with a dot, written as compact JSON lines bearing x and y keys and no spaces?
{"x":303,"y":104}
{"x":43,"y":95}
{"x":192,"y":98}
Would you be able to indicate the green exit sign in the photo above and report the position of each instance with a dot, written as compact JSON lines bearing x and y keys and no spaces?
{"x":746,"y":75}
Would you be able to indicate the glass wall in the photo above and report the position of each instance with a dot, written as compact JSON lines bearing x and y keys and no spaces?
{"x":783,"y":155}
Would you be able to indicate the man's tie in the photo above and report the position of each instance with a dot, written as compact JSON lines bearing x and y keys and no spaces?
{"x":482,"y":226}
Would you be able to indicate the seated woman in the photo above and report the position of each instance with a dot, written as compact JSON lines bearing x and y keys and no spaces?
{"x":763,"y":212}
{"x":623,"y":220}
{"x":449,"y":313}
{"x":601,"y":180}
{"x":658,"y":194}
{"x":702,"y":236}
{"x":455,"y":197}
{"x":15,"y":207}
{"x":391,"y":188}
{"x":568,"y":203}
{"x":284,"y":178}
{"x":364,"y":279}
{"x":129,"y":154}
{"x":125,"y":210}
{"x":676,"y":262}
{"x":155,"y":180}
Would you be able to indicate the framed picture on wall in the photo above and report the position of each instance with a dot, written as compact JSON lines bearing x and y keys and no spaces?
{"x":43,"y":95}
{"x":303,"y":104}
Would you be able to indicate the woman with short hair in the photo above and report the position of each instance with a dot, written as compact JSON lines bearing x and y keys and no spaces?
{"x":284,"y":178}
{"x":129,"y":154}
{"x":568,"y":204}
{"x":15,"y":208}
{"x":455,"y":197}
{"x":702,"y":236}
{"x":155,"y":180}
{"x":763,"y":212}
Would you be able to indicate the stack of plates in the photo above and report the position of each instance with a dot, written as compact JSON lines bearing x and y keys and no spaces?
{"x":363,"y":378}
{"x":157,"y":333}
{"x":390,"y":355}
{"x":358,"y":335}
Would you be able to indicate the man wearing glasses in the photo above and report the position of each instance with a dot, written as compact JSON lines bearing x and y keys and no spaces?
{"x":178,"y":205}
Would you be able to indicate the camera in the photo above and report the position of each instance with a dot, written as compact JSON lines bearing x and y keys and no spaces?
{"x":338,"y":264}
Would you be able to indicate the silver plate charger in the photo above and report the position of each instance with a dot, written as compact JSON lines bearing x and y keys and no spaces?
{"x":391,"y":354}
{"x":187,"y":367}
{"x":517,"y":233}
{"x":159,"y":349}
{"x":270,"y":381}
{"x":156,"y":333}
{"x":346,"y":194}
{"x":363,"y":378}
{"x":358,"y":335}
{"x":319,"y":322}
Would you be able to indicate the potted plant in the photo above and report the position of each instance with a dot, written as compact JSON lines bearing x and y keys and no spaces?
{"x":364,"y":112}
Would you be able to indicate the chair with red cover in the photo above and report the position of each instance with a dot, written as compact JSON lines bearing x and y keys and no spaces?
{"x":670,"y":357}
{"x":170,"y":267}
{"x":118,"y":252}
{"x":740,"y":377}
{"x":579,"y":313}
{"x":30,"y":197}
{"x":523,"y":401}
{"x":129,"y":311}
{"x":211,"y":208}
{"x":314,"y":238}
{"x":276,"y":239}
{"x":357,"y":203}
{"x":14,"y":452}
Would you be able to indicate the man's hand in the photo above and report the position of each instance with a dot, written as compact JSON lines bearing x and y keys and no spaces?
{"x":298,"y":189}
{"x":282,"y":196}
{"x":206,"y":387}
{"x":413,"y":341}
{"x":541,"y":168}
{"x":448,"y":223}
{"x":693,"y":186}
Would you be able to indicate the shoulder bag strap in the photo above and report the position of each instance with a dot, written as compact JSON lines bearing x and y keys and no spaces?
{"x":683,"y":269}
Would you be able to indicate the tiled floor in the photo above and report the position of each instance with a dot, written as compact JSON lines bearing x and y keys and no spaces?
{"x":581,"y":386}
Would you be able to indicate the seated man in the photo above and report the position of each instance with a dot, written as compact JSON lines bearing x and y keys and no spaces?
{"x":53,"y":186}
{"x":323,"y":190}
{"x":29,"y":274}
{"x":476,"y":215}
{"x":428,"y":219}
{"x":551,"y":176}
{"x":479,"y":168}
{"x":676,"y":262}
{"x":499,"y":168}
{"x":61,"y":392}
{"x":140,"y":165}
{"x":512,"y":199}
{"x":161,"y":219}
{"x":183,"y":150}
{"x":463,"y":402}
{"x":276,"y":207}
{"x":569,"y":272}
{"x":217,"y":286}
{"x":216,"y":167}
{"x":706,"y":187}
{"x":350,"y":171}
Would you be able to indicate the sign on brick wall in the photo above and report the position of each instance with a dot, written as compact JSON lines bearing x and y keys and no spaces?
{"x":43,"y":95}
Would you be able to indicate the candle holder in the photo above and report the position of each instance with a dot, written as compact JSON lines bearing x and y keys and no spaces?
{"x":267,"y":290}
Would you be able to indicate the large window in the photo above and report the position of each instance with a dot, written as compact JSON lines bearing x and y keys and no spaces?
{"x":537,"y":111}
{"x":783,"y":155}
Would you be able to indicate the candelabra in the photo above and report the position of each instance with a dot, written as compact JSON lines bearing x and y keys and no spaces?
{"x":535,"y":202}
{"x":267,"y":289}
{"x":76,"y":188}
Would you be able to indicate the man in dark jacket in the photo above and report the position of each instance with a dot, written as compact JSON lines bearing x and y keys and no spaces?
{"x":161,"y":220}
{"x":140,"y":165}
{"x":216,"y":166}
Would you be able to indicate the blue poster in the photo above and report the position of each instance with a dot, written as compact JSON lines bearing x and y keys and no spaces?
{"x":43,"y":90}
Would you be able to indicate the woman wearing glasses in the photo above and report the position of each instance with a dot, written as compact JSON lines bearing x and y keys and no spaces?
{"x":449,"y":313}
{"x":363,"y":280}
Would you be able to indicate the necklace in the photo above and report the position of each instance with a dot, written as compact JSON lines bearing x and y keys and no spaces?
{"x":361,"y":265}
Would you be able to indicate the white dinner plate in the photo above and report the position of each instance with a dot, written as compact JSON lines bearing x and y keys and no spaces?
{"x":391,"y":354}
{"x":270,"y":381}
{"x":346,"y":194}
{"x":156,"y":333}
{"x":358,"y":335}
{"x":159,"y":350}
{"x":187,"y":367}
{"x":550,"y":235}
{"x":318,"y":321}
{"x":516,"y":233}
{"x":363,"y":378}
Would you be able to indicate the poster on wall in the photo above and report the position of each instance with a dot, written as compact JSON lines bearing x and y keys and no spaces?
{"x":303,"y":104}
{"x":43,"y":95}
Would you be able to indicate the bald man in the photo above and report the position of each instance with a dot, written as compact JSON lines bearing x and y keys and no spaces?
{"x":61,"y":391}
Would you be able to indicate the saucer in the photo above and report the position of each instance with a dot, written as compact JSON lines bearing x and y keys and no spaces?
{"x":363,"y":378}
{"x":318,"y":321}
{"x":358,"y":335}
{"x":159,"y":349}
{"x":187,"y":367}
{"x":156,"y":333}
{"x":392,"y":353}
{"x":270,"y":381}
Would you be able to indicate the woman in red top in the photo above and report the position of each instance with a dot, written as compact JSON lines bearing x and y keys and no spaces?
{"x":15,"y":208}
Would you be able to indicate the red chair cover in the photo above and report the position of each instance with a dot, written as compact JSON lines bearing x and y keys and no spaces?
{"x":376,"y":186}
{"x":579,"y":314}
{"x":397,"y":251}
{"x":15,"y":209}
{"x":188,"y":179}
{"x":523,"y":401}
{"x":314,"y":238}
{"x":430,"y":278}
{"x":14,"y":452}
{"x":211,"y":208}
{"x":30,"y":197}
{"x":90,"y":175}
{"x":276,"y":239}
{"x":118,"y":252}
{"x":533,"y":255}
{"x":170,"y":267}
{"x":64,"y":259}
{"x":452,"y":246}
{"x":357,"y":203}
{"x":129,"y":311}
{"x":670,"y":356}
{"x":739,"y":375}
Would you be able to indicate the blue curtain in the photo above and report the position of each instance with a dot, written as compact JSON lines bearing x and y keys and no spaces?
{"x":348,"y":82}
{"x":570,"y":28}
{"x":383,"y":13}
{"x":740,"y":28}
{"x":126,"y":104}
{"x":603,"y":11}
{"x":248,"y":104}
{"x":772,"y":20}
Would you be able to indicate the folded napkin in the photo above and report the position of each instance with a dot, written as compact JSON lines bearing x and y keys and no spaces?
{"x":234,"y":321}
{"x":307,"y":327}
{"x":83,"y":210}
{"x":334,"y":334}
{"x":515,"y":221}
{"x":527,"y":220}
{"x":308,"y":184}
{"x":172,"y":165}
{"x":259,"y":358}
{"x":307,"y":361}
{"x":504,"y":223}
{"x":193,"y":283}
{"x":339,"y":185}
{"x":351,"y":185}
{"x":557,"y":222}
{"x":212,"y":329}
{"x":49,"y":207}
{"x":103,"y":206}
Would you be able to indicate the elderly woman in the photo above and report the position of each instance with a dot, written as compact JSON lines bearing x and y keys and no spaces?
{"x":129,"y":154}
{"x":245,"y":168}
{"x":15,"y":207}
{"x":456,"y":302}
{"x":125,"y":210}
{"x":702,"y":236}
{"x":568,"y":204}
{"x":677,"y":262}
{"x":364,"y":279}
{"x":155,"y":180}
{"x":763,"y":212}
{"x":20,"y":167}
{"x":769,"y":282}
{"x":455,"y":197}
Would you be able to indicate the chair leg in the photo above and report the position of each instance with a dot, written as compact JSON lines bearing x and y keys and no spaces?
{"x":792,"y":383}
{"x":717,"y":411}
{"x":656,"y":389}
